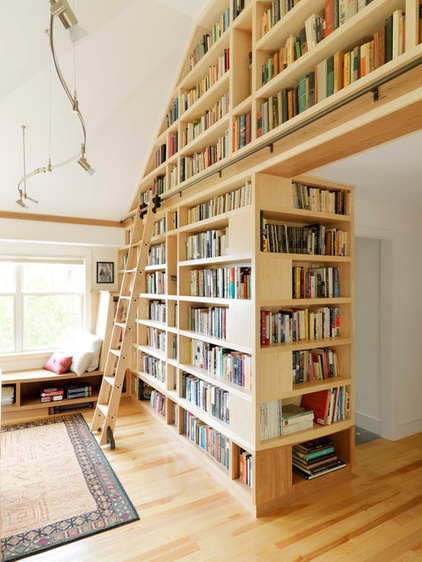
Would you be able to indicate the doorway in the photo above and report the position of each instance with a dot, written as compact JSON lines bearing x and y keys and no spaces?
{"x":373,"y":351}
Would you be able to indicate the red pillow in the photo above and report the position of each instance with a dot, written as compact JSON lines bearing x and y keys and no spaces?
{"x":58,"y":363}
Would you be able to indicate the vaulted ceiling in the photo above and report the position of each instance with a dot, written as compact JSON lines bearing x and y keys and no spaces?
{"x":125,"y":69}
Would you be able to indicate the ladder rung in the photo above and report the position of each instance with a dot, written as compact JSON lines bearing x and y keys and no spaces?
{"x":103,"y":408}
{"x":120,"y":324}
{"x":115,"y":352}
{"x":109,"y":379}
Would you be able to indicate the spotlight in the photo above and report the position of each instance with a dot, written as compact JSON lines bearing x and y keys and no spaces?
{"x":62,"y":10}
{"x":85,"y":165}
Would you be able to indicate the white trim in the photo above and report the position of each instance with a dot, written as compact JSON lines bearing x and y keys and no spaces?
{"x":388,"y":357}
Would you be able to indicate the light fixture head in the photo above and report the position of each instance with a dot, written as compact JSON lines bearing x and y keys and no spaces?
{"x":21,"y":204}
{"x":85,"y":165}
{"x":62,"y":10}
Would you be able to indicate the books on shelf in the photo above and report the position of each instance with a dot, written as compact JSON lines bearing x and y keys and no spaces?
{"x":221,"y":282}
{"x":51,"y":394}
{"x":81,"y":390}
{"x":312,"y":239}
{"x":321,"y":200}
{"x":295,"y":418}
{"x":314,"y":365}
{"x":234,"y":199}
{"x":299,"y":324}
{"x":315,"y":282}
{"x":329,"y":405}
{"x":8,"y":395}
{"x":207,"y":438}
{"x":209,"y":244}
{"x":315,"y":458}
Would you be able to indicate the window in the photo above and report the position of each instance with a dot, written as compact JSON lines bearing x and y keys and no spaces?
{"x":41,"y":304}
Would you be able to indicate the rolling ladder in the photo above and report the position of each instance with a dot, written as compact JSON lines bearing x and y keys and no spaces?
{"x":119,"y":352}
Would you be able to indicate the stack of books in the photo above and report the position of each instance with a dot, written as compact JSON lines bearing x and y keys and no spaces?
{"x":295,"y":418}
{"x":51,"y":394}
{"x":315,"y":458}
{"x":7,"y":395}
{"x":78,"y":391}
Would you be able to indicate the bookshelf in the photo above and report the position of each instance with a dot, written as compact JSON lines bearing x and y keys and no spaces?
{"x":247,"y":236}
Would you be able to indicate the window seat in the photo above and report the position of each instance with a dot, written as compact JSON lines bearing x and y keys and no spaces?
{"x":28,"y":384}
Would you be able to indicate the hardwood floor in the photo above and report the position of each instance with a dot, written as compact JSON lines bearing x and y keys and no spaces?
{"x":186,"y":515}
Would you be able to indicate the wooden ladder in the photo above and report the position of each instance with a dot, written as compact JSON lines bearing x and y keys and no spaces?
{"x":119,"y":352}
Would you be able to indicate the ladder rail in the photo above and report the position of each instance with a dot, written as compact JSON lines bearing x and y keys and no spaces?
{"x":124,"y":323}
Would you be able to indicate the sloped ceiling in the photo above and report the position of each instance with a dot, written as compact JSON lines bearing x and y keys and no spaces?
{"x":126,"y":68}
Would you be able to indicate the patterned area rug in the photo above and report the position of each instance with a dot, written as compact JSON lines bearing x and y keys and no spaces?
{"x":56,"y":487}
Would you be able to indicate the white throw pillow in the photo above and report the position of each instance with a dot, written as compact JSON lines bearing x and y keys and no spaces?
{"x":80,"y":362}
{"x":86,"y":353}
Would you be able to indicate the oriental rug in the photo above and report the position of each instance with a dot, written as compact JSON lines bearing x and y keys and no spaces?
{"x":56,"y":487}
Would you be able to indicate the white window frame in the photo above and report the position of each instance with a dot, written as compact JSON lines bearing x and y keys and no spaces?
{"x":19,"y":251}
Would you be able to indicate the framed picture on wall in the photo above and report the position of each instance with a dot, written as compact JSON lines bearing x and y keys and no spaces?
{"x":105,"y":272}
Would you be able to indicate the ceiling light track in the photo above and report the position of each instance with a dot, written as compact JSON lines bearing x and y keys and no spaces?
{"x":61,"y":10}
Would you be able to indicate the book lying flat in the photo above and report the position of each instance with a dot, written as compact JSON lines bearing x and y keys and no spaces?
{"x":315,"y":474}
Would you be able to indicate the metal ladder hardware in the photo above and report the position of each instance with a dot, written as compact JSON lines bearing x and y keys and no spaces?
{"x":118,"y":354}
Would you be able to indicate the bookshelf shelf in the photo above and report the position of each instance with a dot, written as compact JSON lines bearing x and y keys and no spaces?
{"x":237,"y":199}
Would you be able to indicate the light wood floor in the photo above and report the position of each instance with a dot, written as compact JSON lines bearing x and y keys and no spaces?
{"x":186,"y":515}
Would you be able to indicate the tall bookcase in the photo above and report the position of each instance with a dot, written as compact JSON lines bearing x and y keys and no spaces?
{"x":239,"y":239}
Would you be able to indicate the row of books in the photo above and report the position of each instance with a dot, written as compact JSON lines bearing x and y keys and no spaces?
{"x":211,"y":399}
{"x":314,"y":365}
{"x":156,"y":338}
{"x":157,"y":254}
{"x":153,"y":366}
{"x":277,"y":419}
{"x":299,"y":324}
{"x":222,"y":363}
{"x":321,"y":200}
{"x":315,"y":282}
{"x":239,"y":6}
{"x":159,"y":227}
{"x":199,"y":161}
{"x":329,"y":405}
{"x":315,"y":458}
{"x":221,"y":282}
{"x":214,"y":73}
{"x":71,"y":392}
{"x":211,"y":116}
{"x":160,"y":155}
{"x":173,"y":144}
{"x":274,"y":13}
{"x":209,"y":39}
{"x":173,"y":113}
{"x":208,"y":320}
{"x":316,"y":28}
{"x":245,"y":467}
{"x":313,"y":239}
{"x":7,"y":395}
{"x":242,"y":131}
{"x":331,"y":74}
{"x":157,"y":310}
{"x":323,"y":407}
{"x":159,"y":185}
{"x":157,"y":401}
{"x":207,"y":438}
{"x":224,"y":203}
{"x":156,"y":282}
{"x":209,"y":244}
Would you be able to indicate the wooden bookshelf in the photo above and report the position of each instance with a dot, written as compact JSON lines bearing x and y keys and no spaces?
{"x":227,"y":175}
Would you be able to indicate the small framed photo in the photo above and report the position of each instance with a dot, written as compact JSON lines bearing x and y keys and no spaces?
{"x":105,"y":272}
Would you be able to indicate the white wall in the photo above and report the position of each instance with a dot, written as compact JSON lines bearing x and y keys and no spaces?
{"x":92,"y":243}
{"x":402,"y":227}
{"x":367,"y":344}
